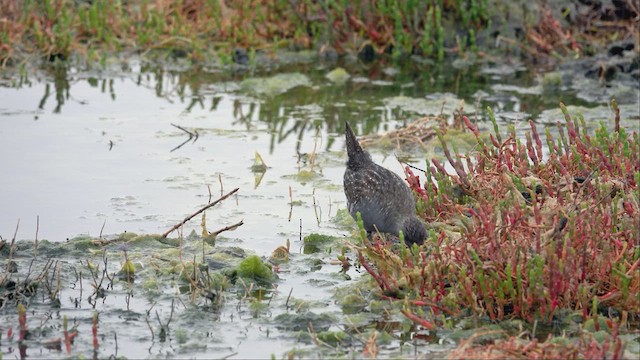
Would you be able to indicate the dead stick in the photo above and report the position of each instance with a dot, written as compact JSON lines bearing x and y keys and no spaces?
{"x":227,"y":228}
{"x":185,"y":130}
{"x":102,"y":228}
{"x":35,"y":253}
{"x":286,"y":305}
{"x":11,"y":247}
{"x":198,"y":212}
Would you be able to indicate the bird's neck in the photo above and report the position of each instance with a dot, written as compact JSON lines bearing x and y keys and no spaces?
{"x":359,"y":160}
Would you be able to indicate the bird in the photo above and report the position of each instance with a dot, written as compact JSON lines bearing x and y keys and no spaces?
{"x":384,"y":201}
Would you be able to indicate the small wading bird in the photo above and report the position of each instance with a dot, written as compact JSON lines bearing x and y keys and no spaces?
{"x":383,"y":199}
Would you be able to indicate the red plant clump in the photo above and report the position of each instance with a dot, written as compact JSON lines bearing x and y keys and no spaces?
{"x":524,"y":231}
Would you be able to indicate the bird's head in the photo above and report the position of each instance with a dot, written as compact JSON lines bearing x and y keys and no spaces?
{"x":414,"y":231}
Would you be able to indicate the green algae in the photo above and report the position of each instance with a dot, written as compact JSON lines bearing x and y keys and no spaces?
{"x":149,"y":241}
{"x":444,"y":104}
{"x":551,"y":82}
{"x":301,"y":321}
{"x":314,"y":264}
{"x":479,"y":335}
{"x":128,"y":269}
{"x":351,"y":299}
{"x":275,"y":85}
{"x":258,"y":307}
{"x":307,"y":175}
{"x":253,"y":268}
{"x":151,"y":285}
{"x":127,"y":236}
{"x":352,"y":303}
{"x":299,"y":305}
{"x":338,"y":76}
{"x":590,"y":325}
{"x":361,"y":319}
{"x":181,"y":335}
{"x":83,"y":244}
{"x":333,"y":338}
{"x":318,"y":239}
{"x":314,"y":243}
{"x":343,"y":219}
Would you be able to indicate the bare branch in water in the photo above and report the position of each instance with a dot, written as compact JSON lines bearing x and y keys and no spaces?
{"x":192,"y":136}
{"x":227,"y":228}
{"x":199,"y":211}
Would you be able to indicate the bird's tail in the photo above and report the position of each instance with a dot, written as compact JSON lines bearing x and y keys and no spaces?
{"x":353,"y":147}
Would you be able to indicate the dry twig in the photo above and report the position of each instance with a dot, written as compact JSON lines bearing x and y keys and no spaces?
{"x":198,"y":212}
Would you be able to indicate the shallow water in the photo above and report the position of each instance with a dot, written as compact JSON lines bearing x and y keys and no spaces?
{"x":95,"y":152}
{"x":82,"y":149}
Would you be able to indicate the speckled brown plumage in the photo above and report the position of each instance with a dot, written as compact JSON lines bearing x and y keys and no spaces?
{"x":382,"y":197}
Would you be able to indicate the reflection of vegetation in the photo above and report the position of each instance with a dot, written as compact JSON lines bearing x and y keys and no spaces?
{"x":61,"y":86}
{"x":298,"y":112}
{"x":303,"y":110}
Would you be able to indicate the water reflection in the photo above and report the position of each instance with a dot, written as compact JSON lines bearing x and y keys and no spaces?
{"x":359,"y":100}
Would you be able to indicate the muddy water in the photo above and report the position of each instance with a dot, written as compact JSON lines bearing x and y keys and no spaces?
{"x":97,"y":152}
